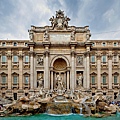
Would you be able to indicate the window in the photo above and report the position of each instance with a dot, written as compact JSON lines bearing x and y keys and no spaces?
{"x":103,"y":44}
{"x":3,"y":79}
{"x":26,"y":58}
{"x":104,"y":59}
{"x":15,"y":79}
{"x":3,"y":44}
{"x":104,"y":80}
{"x":93,"y":44}
{"x":15,"y":58}
{"x":4,"y":59}
{"x":14,"y":44}
{"x":26,"y":79}
{"x":92,"y":58}
{"x":26,"y":44}
{"x":93,"y":79}
{"x":115,"y":44}
{"x":115,"y":79}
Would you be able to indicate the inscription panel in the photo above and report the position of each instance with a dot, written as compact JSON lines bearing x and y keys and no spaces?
{"x":60,"y":38}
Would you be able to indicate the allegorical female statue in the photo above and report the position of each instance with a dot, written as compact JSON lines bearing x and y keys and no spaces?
{"x":40,"y":80}
{"x":79,"y":79}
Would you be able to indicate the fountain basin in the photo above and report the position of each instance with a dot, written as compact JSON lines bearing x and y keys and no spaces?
{"x":59,"y":108}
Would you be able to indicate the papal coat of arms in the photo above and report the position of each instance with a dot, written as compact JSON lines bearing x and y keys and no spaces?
{"x":59,"y":22}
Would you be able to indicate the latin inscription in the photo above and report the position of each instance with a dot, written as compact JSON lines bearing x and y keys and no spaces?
{"x":60,"y":38}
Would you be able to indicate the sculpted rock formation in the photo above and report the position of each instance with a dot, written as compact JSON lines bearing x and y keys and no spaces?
{"x":60,"y":102}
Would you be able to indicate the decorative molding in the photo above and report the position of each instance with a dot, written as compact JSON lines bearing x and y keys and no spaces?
{"x":20,"y":56}
{"x":73,"y":53}
{"x":9,"y":56}
{"x":110,"y":57}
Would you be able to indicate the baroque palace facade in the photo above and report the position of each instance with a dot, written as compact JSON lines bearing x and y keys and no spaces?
{"x":59,"y":55}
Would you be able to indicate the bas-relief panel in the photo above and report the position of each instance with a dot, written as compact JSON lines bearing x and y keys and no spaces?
{"x":39,"y":37}
{"x":59,"y":38}
{"x":79,"y":37}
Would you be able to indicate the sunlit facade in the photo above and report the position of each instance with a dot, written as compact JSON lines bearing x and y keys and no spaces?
{"x":26,"y":66}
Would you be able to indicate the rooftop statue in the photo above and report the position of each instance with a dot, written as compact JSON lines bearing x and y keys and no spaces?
{"x":60,"y":21}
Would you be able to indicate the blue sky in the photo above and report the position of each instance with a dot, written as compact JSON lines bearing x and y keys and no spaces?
{"x":102,"y":16}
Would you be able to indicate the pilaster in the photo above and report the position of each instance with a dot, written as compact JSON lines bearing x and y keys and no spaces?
{"x":9,"y":57}
{"x":20,"y":70}
{"x":68,"y":78}
{"x":88,"y":70}
{"x":73,"y":70}
{"x":99,"y":72}
{"x":110,"y":71}
{"x":46,"y":45}
{"x":51,"y":80}
{"x":46,"y":75}
{"x":85,"y":73}
{"x":31,"y":70}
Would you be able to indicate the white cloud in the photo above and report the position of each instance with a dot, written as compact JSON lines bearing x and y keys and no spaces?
{"x":109,"y":15}
{"x":25,"y":13}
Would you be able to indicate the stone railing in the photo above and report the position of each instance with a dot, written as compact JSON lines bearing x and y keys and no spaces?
{"x":115,"y":85}
{"x":4,"y":85}
{"x":93,"y":85}
{"x":104,"y":85}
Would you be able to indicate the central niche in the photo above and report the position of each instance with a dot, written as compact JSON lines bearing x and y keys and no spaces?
{"x":60,"y":64}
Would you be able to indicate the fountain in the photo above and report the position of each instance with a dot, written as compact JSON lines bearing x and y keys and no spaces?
{"x":61,"y":102}
{"x":81,"y":111}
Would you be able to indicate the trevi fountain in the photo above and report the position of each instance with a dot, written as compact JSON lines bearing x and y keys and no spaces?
{"x":60,"y":102}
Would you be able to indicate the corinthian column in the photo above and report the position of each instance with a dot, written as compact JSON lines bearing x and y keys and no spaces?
{"x":73,"y":80}
{"x":85,"y":73}
{"x":88,"y":71}
{"x":68,"y":80}
{"x":20,"y":70}
{"x":51,"y":80}
{"x":31,"y":70}
{"x":46,"y":80}
{"x":99,"y":71}
{"x":9,"y":69}
{"x":110,"y":71}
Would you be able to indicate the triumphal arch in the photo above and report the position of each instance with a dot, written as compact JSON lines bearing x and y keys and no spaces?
{"x":60,"y":55}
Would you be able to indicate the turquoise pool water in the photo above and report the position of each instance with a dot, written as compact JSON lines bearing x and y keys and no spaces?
{"x":67,"y":117}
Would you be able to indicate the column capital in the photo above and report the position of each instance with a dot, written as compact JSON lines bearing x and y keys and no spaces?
{"x":9,"y":56}
{"x":86,"y":54}
{"x":98,"y":57}
{"x":68,"y":69}
{"x":73,"y":53}
{"x":32,"y":53}
{"x":110,"y":57}
{"x":20,"y":56}
{"x":46,"y":53}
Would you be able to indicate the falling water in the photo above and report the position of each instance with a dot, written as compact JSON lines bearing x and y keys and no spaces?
{"x":80,"y":110}
{"x":87,"y":109}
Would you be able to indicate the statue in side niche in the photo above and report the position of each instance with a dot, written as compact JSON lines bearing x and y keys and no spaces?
{"x":40,"y":80}
{"x":79,"y":80}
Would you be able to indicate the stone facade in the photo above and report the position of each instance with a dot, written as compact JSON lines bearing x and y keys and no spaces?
{"x":59,"y":56}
